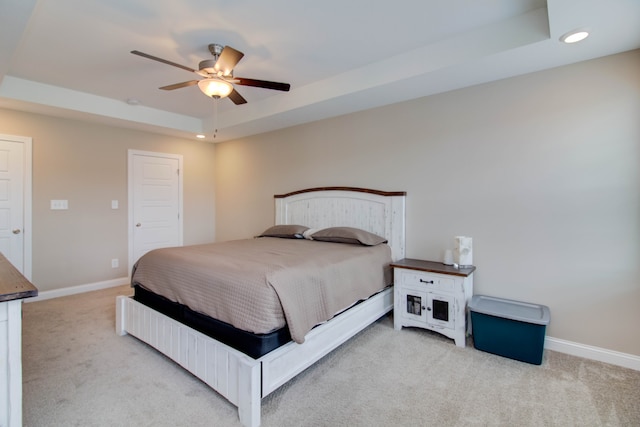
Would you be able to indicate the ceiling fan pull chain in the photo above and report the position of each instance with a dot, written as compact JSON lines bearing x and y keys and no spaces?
{"x":215,"y":118}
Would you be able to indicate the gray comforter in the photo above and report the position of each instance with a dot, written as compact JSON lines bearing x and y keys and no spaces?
{"x":258,"y":285}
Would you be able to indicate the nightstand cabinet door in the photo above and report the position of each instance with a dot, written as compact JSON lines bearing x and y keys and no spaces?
{"x":413,"y":305}
{"x":441,"y":310}
{"x":427,"y":308}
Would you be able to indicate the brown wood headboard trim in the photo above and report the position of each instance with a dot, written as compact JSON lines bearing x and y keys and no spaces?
{"x":361,"y":190}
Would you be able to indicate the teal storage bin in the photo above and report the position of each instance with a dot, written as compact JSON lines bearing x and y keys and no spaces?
{"x":508,"y":328}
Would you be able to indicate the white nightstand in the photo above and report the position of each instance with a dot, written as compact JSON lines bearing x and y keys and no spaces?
{"x":433,"y":296}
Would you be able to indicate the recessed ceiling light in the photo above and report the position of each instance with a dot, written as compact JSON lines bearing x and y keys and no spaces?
{"x":575,"y":36}
{"x":200,"y":136}
{"x":133,"y":101}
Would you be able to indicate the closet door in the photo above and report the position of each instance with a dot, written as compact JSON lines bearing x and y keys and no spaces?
{"x":155,"y":202}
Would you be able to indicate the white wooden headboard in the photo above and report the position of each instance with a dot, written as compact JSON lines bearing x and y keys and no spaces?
{"x":379,"y":212}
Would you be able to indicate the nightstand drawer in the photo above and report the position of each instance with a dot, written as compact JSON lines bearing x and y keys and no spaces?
{"x":417,"y":279}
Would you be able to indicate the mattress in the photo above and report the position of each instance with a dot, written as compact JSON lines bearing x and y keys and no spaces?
{"x":263,"y":285}
{"x":253,"y":345}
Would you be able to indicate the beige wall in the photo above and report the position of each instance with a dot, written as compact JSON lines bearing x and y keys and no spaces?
{"x":86,"y":164}
{"x":542,"y":171}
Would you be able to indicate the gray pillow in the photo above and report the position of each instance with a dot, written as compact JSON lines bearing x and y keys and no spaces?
{"x":348,"y":235}
{"x":285,"y":231}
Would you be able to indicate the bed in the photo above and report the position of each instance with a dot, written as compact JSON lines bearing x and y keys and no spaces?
{"x":246,"y":375}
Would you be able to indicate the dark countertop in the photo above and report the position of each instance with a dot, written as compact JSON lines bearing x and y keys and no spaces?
{"x":13,"y":285}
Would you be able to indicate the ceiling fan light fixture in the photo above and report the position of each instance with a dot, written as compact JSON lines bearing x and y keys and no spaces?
{"x":215,"y":87}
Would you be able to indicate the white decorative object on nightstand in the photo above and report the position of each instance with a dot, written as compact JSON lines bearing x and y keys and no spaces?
{"x":432,"y":296}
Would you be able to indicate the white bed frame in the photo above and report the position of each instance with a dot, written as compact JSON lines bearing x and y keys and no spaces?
{"x":242,"y":380}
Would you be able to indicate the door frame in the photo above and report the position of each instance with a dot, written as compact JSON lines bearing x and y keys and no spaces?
{"x":27,"y":193}
{"x":130,"y":202}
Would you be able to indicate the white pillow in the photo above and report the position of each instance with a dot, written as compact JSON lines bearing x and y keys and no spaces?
{"x":307,"y":234}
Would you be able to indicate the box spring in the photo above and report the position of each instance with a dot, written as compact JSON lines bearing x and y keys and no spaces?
{"x":253,"y":345}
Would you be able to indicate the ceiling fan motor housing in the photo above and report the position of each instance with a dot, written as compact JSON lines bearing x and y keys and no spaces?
{"x":208,"y":66}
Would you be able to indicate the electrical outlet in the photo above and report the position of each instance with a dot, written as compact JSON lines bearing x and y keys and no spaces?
{"x":115,"y":263}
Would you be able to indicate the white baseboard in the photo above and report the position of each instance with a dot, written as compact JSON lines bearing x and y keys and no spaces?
{"x":72,"y":290}
{"x":594,"y":353}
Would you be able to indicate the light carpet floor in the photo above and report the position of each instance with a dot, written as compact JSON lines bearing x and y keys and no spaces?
{"x":78,"y":372}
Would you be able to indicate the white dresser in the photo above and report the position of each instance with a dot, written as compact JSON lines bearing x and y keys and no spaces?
{"x":14,"y":287}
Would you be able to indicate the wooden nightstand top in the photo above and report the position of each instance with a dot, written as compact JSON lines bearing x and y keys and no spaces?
{"x":432,"y":267}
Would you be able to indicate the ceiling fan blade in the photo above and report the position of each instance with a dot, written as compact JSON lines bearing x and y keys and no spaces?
{"x":237,"y":98}
{"x":180,"y":85}
{"x":227,"y":60}
{"x":262,"y":83}
{"x":155,"y":58}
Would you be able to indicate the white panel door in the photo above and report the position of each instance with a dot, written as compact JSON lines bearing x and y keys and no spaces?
{"x":12,"y":155}
{"x":155,"y":188}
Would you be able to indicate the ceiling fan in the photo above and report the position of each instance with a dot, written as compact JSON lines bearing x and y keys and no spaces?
{"x":218,"y":75}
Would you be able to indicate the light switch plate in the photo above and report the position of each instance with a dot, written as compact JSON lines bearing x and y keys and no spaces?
{"x":59,"y":204}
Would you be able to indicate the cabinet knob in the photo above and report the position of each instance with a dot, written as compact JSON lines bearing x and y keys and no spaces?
{"x":426,"y":281}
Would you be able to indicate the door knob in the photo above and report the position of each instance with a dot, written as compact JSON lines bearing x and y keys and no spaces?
{"x":16,"y":231}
